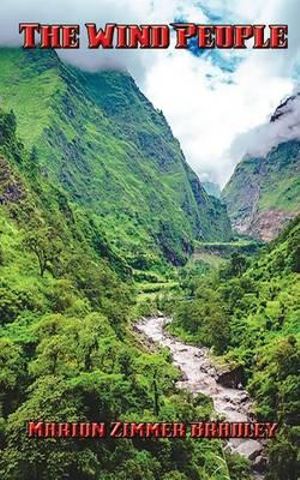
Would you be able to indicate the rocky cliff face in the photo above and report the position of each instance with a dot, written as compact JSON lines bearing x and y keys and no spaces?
{"x":264,"y":192}
{"x":97,"y":138}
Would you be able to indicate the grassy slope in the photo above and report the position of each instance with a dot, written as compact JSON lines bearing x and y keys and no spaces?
{"x":98,"y":138}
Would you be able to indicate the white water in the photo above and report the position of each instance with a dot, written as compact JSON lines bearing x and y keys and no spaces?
{"x":199,"y":376}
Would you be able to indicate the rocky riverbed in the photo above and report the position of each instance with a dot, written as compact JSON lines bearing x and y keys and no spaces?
{"x":199,"y":375}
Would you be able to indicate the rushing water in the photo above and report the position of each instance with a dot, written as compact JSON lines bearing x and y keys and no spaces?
{"x":199,"y":376}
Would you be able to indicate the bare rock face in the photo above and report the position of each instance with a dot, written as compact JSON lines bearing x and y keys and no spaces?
{"x":268,"y":225}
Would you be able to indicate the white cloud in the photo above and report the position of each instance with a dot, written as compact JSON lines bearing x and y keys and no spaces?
{"x":209,"y":115}
{"x":260,"y":140}
{"x":206,"y":107}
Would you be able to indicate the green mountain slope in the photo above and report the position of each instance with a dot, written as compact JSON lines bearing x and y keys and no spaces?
{"x":68,"y":352}
{"x":264,"y":193}
{"x":96,"y":137}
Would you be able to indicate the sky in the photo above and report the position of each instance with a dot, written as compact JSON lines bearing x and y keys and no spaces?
{"x":218,"y":103}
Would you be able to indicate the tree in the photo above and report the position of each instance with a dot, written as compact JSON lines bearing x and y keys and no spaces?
{"x":45,"y":245}
{"x":238,"y":264}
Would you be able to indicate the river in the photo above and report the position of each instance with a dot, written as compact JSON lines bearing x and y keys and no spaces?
{"x":199,"y":376}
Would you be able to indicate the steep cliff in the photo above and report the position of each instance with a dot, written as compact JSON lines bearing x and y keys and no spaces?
{"x":264,"y":192}
{"x":96,"y":137}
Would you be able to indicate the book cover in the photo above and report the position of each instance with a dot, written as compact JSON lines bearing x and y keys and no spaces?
{"x":149,"y":240}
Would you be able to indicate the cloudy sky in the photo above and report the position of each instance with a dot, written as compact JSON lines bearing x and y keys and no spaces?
{"x":212,"y":99}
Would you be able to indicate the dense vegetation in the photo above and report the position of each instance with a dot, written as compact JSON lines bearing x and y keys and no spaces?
{"x":67,"y":351}
{"x":95,"y":198}
{"x":249,"y":312}
{"x":96,"y":137}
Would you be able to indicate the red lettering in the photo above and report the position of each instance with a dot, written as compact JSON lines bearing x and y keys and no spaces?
{"x":98,"y":430}
{"x":166,"y":430}
{"x":103,"y":38}
{"x":184,"y":31}
{"x":29,"y":30}
{"x":64,"y":430}
{"x":224,"y":36}
{"x":35,"y":429}
{"x":279,"y":36}
{"x":160,"y":36}
{"x":74,"y":431}
{"x":116,"y":430}
{"x":139,"y":35}
{"x":259,"y":37}
{"x":84,"y":430}
{"x":211,"y":430}
{"x":237,"y":430}
{"x":50,"y":36}
{"x":152,"y":429}
{"x":70,"y":36}
{"x":137,"y":429}
{"x":224,"y":430}
{"x":50,"y":429}
{"x":122,"y":37}
{"x":259,"y":430}
{"x":197,"y":429}
{"x":179,"y":430}
{"x":271,"y":429}
{"x":242,"y":33}
{"x":205,"y":36}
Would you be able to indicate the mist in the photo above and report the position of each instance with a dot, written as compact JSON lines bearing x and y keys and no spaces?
{"x":259,"y":141}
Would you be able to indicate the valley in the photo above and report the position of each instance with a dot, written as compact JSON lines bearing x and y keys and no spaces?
{"x":103,"y":223}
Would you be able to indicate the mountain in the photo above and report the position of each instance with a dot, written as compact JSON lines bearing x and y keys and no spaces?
{"x":263,"y":193}
{"x":212,"y":189}
{"x":67,"y":299}
{"x":96,"y":138}
{"x":68,"y":352}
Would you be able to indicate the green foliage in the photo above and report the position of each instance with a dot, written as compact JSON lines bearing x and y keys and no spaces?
{"x":204,"y":319}
{"x":66,"y":291}
{"x":85,"y":203}
{"x":250,"y":311}
{"x":97,"y":139}
{"x":43,"y":243}
{"x":283,"y":454}
{"x":12,"y":302}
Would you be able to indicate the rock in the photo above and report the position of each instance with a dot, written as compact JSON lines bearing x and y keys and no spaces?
{"x":199,"y":354}
{"x":230,"y":378}
{"x":227,"y":398}
{"x":250,"y":449}
{"x":244,"y":397}
{"x":212,"y":372}
{"x":259,"y":464}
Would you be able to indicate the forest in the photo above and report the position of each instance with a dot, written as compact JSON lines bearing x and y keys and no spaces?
{"x":83,"y":258}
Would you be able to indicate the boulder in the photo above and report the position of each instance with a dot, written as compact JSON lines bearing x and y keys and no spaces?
{"x":259,"y":464}
{"x":230,"y":377}
{"x":250,"y":449}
